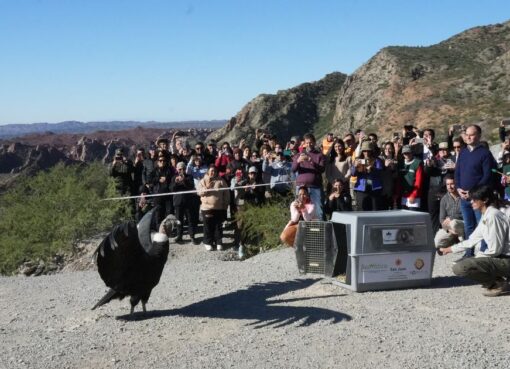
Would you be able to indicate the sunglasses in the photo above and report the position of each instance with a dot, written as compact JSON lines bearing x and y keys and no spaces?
{"x":456,"y":147}
{"x":198,"y":148}
{"x":161,"y":160}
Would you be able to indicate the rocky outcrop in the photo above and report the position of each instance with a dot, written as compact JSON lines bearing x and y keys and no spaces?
{"x":39,"y":152}
{"x":295,"y":111}
{"x":464,"y":79}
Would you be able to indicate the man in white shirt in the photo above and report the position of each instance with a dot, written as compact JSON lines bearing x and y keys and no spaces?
{"x":490,"y":266}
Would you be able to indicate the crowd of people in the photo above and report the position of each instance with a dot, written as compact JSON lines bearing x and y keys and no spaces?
{"x":411,"y":170}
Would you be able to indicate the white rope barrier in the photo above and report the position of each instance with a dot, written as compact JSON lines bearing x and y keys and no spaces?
{"x":194,"y":191}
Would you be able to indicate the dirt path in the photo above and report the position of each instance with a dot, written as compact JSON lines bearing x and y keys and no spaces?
{"x":259,"y":313}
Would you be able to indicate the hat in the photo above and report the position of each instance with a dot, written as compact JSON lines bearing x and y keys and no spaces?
{"x":181,"y":165}
{"x":252,"y":170}
{"x":161,"y":139}
{"x":443,"y":145}
{"x":119,"y":152}
{"x":367,"y":146}
{"x":294,"y":138}
{"x":406,"y":149}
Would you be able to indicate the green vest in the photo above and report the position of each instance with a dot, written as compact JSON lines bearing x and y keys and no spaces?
{"x":407,"y":174}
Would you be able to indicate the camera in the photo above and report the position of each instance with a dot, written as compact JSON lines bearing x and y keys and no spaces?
{"x":363,"y":161}
{"x":506,"y":122}
{"x":396,"y":134}
{"x":419,"y":140}
{"x":118,"y":157}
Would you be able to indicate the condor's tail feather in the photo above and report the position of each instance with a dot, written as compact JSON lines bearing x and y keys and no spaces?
{"x":110,"y":295}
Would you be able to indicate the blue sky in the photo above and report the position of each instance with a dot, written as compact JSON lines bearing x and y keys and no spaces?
{"x":183,"y":60}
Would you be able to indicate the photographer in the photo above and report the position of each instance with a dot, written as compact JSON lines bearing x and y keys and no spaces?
{"x":338,"y":199}
{"x":183,"y":204}
{"x":367,"y":169}
{"x":161,"y":177}
{"x":388,"y":176}
{"x":223,"y":159}
{"x":279,"y":170}
{"x":309,"y":166}
{"x":410,"y":183}
{"x":408,"y":134}
{"x":122,"y":170}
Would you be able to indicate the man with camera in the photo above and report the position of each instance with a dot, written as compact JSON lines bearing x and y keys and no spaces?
{"x":122,"y":170}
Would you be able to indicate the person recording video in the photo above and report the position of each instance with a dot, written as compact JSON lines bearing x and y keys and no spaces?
{"x":122,"y":170}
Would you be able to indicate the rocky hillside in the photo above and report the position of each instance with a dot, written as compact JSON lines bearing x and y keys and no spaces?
{"x":463,"y":79}
{"x":32,"y":153}
{"x":309,"y":106}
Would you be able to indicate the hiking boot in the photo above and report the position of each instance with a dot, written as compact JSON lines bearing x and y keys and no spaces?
{"x":219,"y":247}
{"x":499,"y":288}
{"x":208,"y":247}
{"x":178,"y":239}
{"x":195,"y":241}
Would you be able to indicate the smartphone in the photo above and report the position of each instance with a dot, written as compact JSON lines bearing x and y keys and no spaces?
{"x":363,"y":161}
{"x":419,"y":140}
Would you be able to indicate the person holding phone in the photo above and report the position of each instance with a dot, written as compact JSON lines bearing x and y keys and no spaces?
{"x":182,"y":203}
{"x":309,"y":166}
{"x":410,"y":183}
{"x":367,"y":169}
{"x":161,"y":178}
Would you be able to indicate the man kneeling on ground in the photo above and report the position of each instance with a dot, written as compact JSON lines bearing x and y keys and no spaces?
{"x":450,"y":216}
{"x":490,"y":265}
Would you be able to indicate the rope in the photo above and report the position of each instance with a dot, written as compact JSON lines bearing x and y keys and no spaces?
{"x":193,"y":191}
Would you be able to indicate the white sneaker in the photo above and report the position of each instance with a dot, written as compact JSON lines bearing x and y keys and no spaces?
{"x":208,"y":247}
{"x":219,"y":247}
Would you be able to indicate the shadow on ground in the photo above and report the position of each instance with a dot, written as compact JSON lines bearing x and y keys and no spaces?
{"x":450,"y":281}
{"x":256,"y":304}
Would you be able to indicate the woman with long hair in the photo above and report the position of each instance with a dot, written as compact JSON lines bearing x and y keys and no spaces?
{"x":338,"y":164}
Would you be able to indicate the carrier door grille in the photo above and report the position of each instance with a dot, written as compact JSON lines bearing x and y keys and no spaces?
{"x":314,"y":246}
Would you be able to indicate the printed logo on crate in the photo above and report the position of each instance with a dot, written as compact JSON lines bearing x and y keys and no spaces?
{"x":396,"y":267}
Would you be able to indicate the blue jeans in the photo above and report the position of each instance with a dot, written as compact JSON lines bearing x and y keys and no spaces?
{"x":316,"y":198}
{"x":471,"y":218}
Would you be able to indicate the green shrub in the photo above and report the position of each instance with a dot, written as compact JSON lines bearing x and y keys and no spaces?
{"x":261,"y":225}
{"x":46,"y":215}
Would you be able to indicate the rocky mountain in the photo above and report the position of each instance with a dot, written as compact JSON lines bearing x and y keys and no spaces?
{"x":17,"y":130}
{"x":309,"y":106}
{"x":463,"y":79}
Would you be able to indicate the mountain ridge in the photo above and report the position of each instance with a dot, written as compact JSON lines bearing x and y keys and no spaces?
{"x":463,"y":79}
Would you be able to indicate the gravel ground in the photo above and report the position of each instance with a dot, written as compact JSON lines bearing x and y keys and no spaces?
{"x":259,"y":313}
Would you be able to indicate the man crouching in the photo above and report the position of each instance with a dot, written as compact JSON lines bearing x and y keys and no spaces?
{"x":491,"y":264}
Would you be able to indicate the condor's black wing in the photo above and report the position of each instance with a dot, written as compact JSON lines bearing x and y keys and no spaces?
{"x":118,"y":256}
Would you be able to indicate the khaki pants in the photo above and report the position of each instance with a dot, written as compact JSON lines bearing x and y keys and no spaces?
{"x":484,"y":269}
{"x":447,"y":238}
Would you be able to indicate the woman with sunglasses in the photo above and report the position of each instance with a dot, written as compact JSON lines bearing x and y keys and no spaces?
{"x":161,"y":178}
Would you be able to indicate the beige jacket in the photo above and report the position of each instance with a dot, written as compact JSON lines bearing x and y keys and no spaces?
{"x":213,"y":200}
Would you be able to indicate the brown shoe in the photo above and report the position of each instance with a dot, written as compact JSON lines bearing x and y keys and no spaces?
{"x":499,"y":288}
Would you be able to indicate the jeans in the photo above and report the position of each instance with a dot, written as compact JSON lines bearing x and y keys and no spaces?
{"x":316,"y":198}
{"x":471,"y":218}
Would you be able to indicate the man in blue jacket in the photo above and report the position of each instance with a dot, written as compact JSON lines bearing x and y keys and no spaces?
{"x":474,"y":168}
